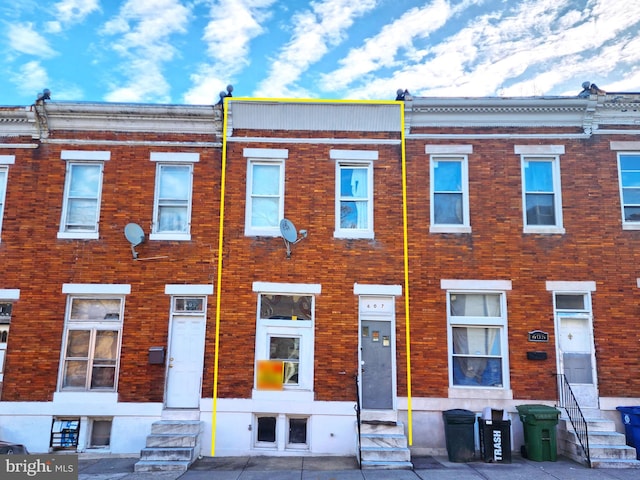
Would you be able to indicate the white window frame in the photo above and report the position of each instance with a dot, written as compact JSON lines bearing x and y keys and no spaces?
{"x":479,"y":287}
{"x":464,"y":226}
{"x":354,"y":159}
{"x":542,"y":153}
{"x":165,"y":160}
{"x":282,"y":441}
{"x":75,"y":158}
{"x":626,"y":224}
{"x":264,"y":156}
{"x":5,"y":161}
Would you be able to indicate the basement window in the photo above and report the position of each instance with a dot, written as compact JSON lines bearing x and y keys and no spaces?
{"x":266,"y":432}
{"x":100,"y":436}
{"x":64,"y":433}
{"x":297,"y":433}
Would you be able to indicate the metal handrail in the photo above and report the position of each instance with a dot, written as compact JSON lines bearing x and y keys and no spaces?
{"x":568,"y":401}
{"x":357,"y":409}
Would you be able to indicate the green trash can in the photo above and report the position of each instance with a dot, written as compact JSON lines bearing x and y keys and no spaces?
{"x":459,"y":432}
{"x":539,"y":422}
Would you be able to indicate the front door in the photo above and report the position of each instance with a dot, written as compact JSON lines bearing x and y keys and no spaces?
{"x":576,"y":357}
{"x":376,"y":367}
{"x":185,"y":362}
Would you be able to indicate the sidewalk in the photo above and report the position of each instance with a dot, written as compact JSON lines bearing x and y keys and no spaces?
{"x":346,"y":468}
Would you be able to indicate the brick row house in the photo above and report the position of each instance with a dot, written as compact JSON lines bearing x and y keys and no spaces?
{"x":261,"y":269}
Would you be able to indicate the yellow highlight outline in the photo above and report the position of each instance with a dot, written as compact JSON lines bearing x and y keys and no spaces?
{"x":225,"y":124}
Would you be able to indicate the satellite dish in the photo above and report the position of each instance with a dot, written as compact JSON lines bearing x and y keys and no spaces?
{"x":288,"y":230}
{"x":135,"y":235}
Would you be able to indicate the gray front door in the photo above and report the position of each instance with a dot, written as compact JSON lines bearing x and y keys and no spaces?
{"x":376,"y":365}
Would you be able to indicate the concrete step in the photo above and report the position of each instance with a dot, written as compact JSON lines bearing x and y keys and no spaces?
{"x":172,"y":440}
{"x":382,"y":428}
{"x":593,"y":424}
{"x":385,"y":454}
{"x":180,"y":414}
{"x":614,"y":452}
{"x":368,"y":464}
{"x":383,"y":440}
{"x":613,"y":463}
{"x":600,"y":437}
{"x":160,"y":466}
{"x":175,"y":454}
{"x":176,"y":426}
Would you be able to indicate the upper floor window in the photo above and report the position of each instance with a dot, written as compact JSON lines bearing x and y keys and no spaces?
{"x":5,"y":160}
{"x":541,"y":195}
{"x":354,"y":193}
{"x":82,"y":193}
{"x":265,"y":191}
{"x":172,"y":204}
{"x":449,"y":194}
{"x":629,"y":172}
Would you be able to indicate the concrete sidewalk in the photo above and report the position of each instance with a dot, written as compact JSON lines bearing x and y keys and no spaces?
{"x":346,"y":468}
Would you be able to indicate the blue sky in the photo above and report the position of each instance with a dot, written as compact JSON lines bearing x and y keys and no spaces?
{"x":187,"y":51}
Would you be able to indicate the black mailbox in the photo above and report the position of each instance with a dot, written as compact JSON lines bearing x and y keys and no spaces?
{"x":156,"y":355}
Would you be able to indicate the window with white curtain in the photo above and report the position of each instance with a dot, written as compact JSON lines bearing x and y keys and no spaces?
{"x":629,"y":173}
{"x":4,"y":171}
{"x":542,"y":199}
{"x":265,"y":191}
{"x":172,"y":207}
{"x":81,"y":206}
{"x":477,"y":339}
{"x":354,"y":200}
{"x":449,"y":194}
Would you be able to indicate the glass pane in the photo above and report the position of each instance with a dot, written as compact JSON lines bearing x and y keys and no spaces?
{"x":630,"y":162}
{"x":477,"y":372}
{"x":353,"y":182}
{"x":447,"y":208}
{"x":189,"y":305}
{"x":85,"y":181}
{"x":103,"y":376}
{"x":75,"y":374}
{"x":78,"y":343}
{"x":106,"y":345}
{"x":284,"y":348}
{"x":95,"y":309}
{"x":100,"y":433}
{"x":172,"y":219}
{"x":285,"y":307}
{"x":632,"y":214}
{"x":631,"y":196}
{"x":353,"y":215}
{"x":267,"y":429}
{"x":297,"y":430}
{"x":475,"y":305}
{"x":631,"y":179}
{"x":540,"y":210}
{"x":447,"y":176}
{"x":476,"y":341}
{"x":82,"y":214}
{"x":266,"y":180}
{"x":3,"y":183}
{"x":577,"y":367}
{"x":174,"y":182}
{"x":538,"y":176}
{"x":570,"y":302}
{"x":265,"y":212}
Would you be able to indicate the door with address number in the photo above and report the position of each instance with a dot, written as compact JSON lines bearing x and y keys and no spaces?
{"x":377,"y":365}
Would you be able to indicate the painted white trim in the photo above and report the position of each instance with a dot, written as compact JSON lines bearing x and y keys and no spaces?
{"x":274,"y":287}
{"x":178,"y":237}
{"x":538,"y":149}
{"x":9,"y":293}
{"x":97,"y":288}
{"x":353,"y":154}
{"x":95,"y":155}
{"x":189,"y":157}
{"x":560,"y":286}
{"x":322,"y":141}
{"x":177,"y":289}
{"x":79,"y":235}
{"x":475,"y":284}
{"x":624,"y":145}
{"x":377,"y":289}
{"x":7,"y":159}
{"x":462,"y":149}
{"x":278,"y":153}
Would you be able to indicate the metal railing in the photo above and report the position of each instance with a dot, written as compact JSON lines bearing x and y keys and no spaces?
{"x":567,"y":400}
{"x":357,"y":409}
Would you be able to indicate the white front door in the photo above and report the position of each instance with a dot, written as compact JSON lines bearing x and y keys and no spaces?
{"x":576,"y":359}
{"x":185,"y":361}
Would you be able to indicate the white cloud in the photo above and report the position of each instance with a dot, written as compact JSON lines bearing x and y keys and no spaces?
{"x":30,"y":78}
{"x":314,"y":31}
{"x":69,"y":12}
{"x":24,"y":38}
{"x":233,"y":25}
{"x":145,"y":30}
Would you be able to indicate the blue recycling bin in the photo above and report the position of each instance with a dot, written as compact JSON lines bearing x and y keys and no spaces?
{"x":631,"y":421}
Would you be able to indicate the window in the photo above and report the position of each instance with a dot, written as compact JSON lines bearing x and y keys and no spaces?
{"x":284,"y":334}
{"x":297,"y":437}
{"x":100,"y":436}
{"x":477,"y":339}
{"x":65,"y":433}
{"x":265,"y":191}
{"x":5,"y":320}
{"x":629,"y":172}
{"x":82,"y":192}
{"x":354,"y":193}
{"x":172,"y":205}
{"x":268,"y":427}
{"x":266,"y":431}
{"x":4,"y":174}
{"x":92,"y":344}
{"x":541,"y":194}
{"x":449,"y":194}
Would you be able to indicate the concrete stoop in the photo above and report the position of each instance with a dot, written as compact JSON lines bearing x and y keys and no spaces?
{"x":607,"y":447}
{"x":173,"y":445}
{"x":383,"y":444}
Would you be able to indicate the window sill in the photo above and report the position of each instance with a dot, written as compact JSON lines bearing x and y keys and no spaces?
{"x":78,"y":235}
{"x":182,"y":237}
{"x":449,"y":229}
{"x":545,"y":230}
{"x":631,"y":226}
{"x":482,"y":393}
{"x":357,"y":235}
{"x":280,"y":395}
{"x":262,"y":233}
